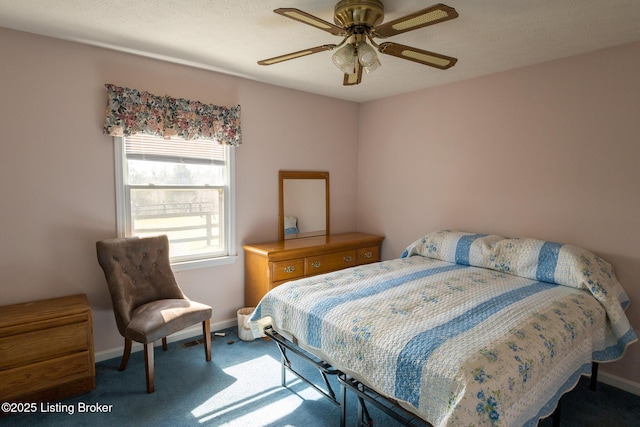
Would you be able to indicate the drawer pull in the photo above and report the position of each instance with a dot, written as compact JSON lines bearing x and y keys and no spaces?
{"x":316,"y":264}
{"x":368,"y":254}
{"x":289,"y":269}
{"x":347,"y":259}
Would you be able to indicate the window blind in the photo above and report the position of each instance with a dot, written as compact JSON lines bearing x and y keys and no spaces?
{"x":151,"y":147}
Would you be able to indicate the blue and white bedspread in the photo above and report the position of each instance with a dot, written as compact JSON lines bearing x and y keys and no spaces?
{"x":463,"y":329}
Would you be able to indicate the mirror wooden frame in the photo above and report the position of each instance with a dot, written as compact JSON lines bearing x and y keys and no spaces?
{"x":283,"y":175}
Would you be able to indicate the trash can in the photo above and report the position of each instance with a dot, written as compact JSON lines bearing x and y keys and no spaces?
{"x":244,"y":328}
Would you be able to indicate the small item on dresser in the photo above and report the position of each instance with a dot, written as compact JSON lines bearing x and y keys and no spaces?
{"x":290,"y":225}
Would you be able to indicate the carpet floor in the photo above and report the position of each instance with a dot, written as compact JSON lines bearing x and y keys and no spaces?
{"x":241,"y":387}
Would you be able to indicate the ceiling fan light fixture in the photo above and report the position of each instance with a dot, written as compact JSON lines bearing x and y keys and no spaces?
{"x":345,"y":59}
{"x":367,"y":57}
{"x":358,"y":23}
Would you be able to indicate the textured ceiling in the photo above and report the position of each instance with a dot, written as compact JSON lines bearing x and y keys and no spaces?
{"x":231,"y":36}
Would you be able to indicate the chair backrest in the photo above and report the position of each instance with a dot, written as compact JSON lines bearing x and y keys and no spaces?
{"x":138,"y":271}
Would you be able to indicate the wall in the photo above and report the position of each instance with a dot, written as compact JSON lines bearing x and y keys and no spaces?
{"x":550,"y":151}
{"x":57,"y":167}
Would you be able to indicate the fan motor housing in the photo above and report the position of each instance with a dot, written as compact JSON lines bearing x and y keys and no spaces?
{"x":349,"y":13}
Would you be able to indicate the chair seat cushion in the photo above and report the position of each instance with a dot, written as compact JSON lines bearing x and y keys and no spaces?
{"x":157,"y":319}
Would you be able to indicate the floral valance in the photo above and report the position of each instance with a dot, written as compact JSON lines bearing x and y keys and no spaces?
{"x":130,"y":111}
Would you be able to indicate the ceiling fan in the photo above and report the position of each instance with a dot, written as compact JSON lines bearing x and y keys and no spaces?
{"x":360,"y":20}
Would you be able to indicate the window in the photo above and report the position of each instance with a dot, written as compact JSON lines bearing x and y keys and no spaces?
{"x":180,"y":188}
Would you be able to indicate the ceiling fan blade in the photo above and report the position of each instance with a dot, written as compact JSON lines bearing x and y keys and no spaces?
{"x":306,"y":18}
{"x":420,"y":56}
{"x":422,"y":18}
{"x":355,"y":78}
{"x":298,"y":54}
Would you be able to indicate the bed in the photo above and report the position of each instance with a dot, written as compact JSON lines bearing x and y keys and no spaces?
{"x":462,"y":329}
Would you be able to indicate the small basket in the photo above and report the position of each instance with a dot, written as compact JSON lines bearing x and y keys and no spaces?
{"x":244,"y":329}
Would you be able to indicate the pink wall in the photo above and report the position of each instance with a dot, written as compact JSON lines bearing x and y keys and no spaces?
{"x":57,"y":168}
{"x":550,"y":151}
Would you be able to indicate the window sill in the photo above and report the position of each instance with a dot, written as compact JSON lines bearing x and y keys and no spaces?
{"x":203,"y":263}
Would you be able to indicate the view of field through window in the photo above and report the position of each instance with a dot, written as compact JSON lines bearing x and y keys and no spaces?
{"x":177,"y":194}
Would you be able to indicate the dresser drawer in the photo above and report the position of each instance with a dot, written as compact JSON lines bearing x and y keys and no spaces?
{"x":288,"y":270}
{"x":275,"y":284}
{"x":369,"y":255}
{"x":43,"y":344}
{"x":330,"y":262}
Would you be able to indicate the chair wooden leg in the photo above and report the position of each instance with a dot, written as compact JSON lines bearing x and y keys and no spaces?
{"x":164,"y":344}
{"x":148,"y":366}
{"x":206,"y":332}
{"x":125,"y":355}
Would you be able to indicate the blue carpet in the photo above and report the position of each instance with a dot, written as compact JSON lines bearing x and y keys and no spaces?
{"x":241,"y":387}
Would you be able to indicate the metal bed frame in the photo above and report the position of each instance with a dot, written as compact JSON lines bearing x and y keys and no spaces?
{"x":363,"y":393}
{"x":389,"y":406}
{"x":323,"y":367}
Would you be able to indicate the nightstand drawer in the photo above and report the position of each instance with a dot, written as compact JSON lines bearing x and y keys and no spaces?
{"x":288,"y":270}
{"x":330,"y":262}
{"x":69,"y":369}
{"x":44,"y":344}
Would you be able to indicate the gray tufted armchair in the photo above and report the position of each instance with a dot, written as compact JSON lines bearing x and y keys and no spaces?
{"x":147,"y":302}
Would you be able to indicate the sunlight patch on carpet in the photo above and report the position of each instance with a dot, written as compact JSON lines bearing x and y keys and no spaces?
{"x":257,"y":397}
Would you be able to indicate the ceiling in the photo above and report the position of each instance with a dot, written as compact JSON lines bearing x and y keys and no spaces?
{"x":231,"y":36}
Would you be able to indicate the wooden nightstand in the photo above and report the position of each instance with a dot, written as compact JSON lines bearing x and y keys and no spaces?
{"x":46,"y":349}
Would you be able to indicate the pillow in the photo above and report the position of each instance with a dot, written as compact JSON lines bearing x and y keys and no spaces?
{"x":535,"y":259}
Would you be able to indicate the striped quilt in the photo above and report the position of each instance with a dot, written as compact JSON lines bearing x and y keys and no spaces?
{"x":463,"y":329}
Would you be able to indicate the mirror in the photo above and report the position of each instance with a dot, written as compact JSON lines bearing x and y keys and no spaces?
{"x":304,"y":204}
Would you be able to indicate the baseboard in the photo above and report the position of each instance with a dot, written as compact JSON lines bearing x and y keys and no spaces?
{"x":194,"y":331}
{"x":621,"y":383}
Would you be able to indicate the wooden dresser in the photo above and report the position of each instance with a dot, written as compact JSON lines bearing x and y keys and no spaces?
{"x":46,"y":349}
{"x":268,"y":265}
